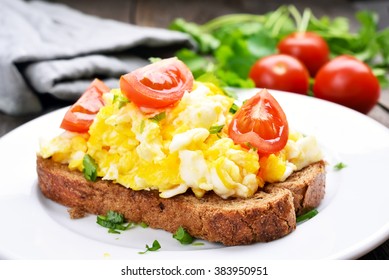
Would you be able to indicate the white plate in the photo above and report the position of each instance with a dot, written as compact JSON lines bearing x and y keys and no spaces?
{"x":353,"y":217}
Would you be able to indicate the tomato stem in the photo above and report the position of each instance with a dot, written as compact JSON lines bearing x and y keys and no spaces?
{"x":305,"y":20}
{"x":278,"y":26}
{"x":295,"y":14}
{"x":301,"y":21}
{"x":275,"y":17}
{"x":222,"y":21}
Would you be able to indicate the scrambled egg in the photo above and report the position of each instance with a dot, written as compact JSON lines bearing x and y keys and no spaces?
{"x":177,"y":149}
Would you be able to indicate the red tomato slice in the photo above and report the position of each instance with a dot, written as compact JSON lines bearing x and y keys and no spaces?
{"x":260,"y":123}
{"x":81,"y":114}
{"x":157,"y":85}
{"x":77,"y":121}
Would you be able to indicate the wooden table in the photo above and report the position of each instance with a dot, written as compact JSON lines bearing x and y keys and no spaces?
{"x":161,"y":13}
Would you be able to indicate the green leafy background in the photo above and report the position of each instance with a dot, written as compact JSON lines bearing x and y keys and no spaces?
{"x":229,"y":45}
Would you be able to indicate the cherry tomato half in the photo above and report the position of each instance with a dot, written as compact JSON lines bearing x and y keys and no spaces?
{"x":157,"y":85}
{"x":308,"y":47}
{"x":281,"y":72}
{"x":81,"y":114}
{"x":347,"y":81}
{"x":260,"y":123}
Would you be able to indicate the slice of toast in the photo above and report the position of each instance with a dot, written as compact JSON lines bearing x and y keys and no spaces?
{"x":268,"y":215}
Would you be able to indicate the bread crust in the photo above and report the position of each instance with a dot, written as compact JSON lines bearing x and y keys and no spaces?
{"x":268,"y":215}
{"x":307,"y":187}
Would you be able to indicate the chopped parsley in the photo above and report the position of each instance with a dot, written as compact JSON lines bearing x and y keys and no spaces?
{"x":114,"y":221}
{"x":90,"y":168}
{"x":156,"y":246}
{"x":120,"y":100}
{"x":339,"y":166}
{"x":143,"y":225}
{"x":307,"y":216}
{"x":142,"y":126}
{"x":234,"y":108}
{"x":215,"y":129}
{"x":154,"y":59}
{"x":183,"y":236}
{"x":159,"y":117}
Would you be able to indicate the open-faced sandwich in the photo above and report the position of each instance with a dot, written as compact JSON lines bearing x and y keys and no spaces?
{"x":172,"y":152}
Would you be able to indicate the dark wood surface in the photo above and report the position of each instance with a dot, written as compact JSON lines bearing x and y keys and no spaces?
{"x":160,"y":13}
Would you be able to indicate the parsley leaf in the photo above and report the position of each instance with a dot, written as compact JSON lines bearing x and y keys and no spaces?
{"x":198,"y":244}
{"x":120,"y":100}
{"x":142,"y":126}
{"x":183,"y":236}
{"x":115,"y":217}
{"x":114,"y":222}
{"x":154,"y":59}
{"x":215,"y":129}
{"x":144,"y":225}
{"x":339,"y":166}
{"x":90,"y":168}
{"x":307,"y":216}
{"x":159,"y":117}
{"x":197,"y":64}
{"x":234,"y":108}
{"x":156,"y":246}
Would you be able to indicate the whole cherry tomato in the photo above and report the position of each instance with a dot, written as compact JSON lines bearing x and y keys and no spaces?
{"x":280,"y":72}
{"x":308,"y":47}
{"x":347,"y":81}
{"x":260,"y":123}
{"x":157,"y":85}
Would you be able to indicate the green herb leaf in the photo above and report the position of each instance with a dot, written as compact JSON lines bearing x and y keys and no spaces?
{"x":120,"y":100}
{"x":114,"y":231}
{"x":159,"y":117}
{"x":339,"y":166}
{"x":144,"y":225}
{"x":234,"y":108}
{"x":154,"y":59}
{"x":307,"y":216}
{"x":142,"y":126}
{"x":210,"y":77}
{"x":115,"y":217}
{"x":206,"y":41}
{"x":215,"y":129}
{"x":114,"y":222}
{"x":198,"y":244}
{"x":90,"y":168}
{"x":183,"y":236}
{"x":198,"y":64}
{"x":228,"y":45}
{"x":156,"y":246}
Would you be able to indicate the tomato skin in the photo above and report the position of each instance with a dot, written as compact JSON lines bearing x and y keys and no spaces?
{"x":157,"y":85}
{"x":349,"y":82}
{"x":77,"y":121}
{"x":308,"y":47}
{"x":81,"y":114}
{"x":280,"y":72}
{"x":260,"y":123}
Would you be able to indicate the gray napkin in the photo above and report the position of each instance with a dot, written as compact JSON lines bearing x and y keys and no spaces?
{"x":48,"y":48}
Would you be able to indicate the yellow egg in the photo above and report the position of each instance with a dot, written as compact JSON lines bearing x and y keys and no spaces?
{"x":272,"y":168}
{"x":178,"y":151}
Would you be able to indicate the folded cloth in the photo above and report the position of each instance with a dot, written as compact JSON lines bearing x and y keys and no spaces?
{"x":48,"y":48}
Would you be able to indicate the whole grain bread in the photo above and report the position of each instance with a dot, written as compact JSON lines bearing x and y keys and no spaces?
{"x":268,"y":215}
